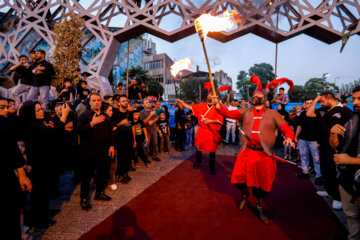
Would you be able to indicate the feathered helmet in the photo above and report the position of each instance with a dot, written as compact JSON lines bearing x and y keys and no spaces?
{"x":273,"y":84}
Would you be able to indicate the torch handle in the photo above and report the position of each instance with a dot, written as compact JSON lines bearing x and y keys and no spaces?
{"x":208,"y":65}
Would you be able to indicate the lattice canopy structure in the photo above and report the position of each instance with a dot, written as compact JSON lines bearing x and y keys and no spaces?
{"x":171,"y":20}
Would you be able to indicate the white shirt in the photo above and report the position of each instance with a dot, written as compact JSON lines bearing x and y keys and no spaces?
{"x":230,"y":108}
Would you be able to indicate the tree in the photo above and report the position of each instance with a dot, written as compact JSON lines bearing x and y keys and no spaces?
{"x":137,"y":72}
{"x":314,"y":86}
{"x":298,"y":94}
{"x":243,"y":84}
{"x":263,"y":70}
{"x":189,"y":88}
{"x":68,"y":36}
{"x":155,"y":88}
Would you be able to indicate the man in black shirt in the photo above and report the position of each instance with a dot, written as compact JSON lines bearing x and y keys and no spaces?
{"x":68,"y":92}
{"x":96,"y":141}
{"x":123,"y":138}
{"x":144,"y":91}
{"x":82,"y":91}
{"x":134,"y":91}
{"x":307,"y":135}
{"x":43,"y":72}
{"x":330,"y":114}
{"x":348,"y":164}
{"x":25,"y":81}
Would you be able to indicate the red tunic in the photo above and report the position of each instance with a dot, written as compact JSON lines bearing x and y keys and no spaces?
{"x":207,"y":137}
{"x":255,"y":168}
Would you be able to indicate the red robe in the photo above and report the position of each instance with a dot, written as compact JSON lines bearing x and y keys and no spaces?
{"x":255,"y":168}
{"x":207,"y":137}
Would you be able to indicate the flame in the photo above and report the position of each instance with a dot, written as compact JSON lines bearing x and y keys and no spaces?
{"x":207,"y":23}
{"x":180,"y":65}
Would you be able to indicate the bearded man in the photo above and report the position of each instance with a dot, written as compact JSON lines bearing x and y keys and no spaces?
{"x":348,"y":165}
{"x":207,"y":137}
{"x":255,"y":165}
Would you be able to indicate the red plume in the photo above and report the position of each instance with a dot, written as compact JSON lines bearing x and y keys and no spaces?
{"x":279,"y":81}
{"x":224,"y":88}
{"x":207,"y":85}
{"x":255,"y":80}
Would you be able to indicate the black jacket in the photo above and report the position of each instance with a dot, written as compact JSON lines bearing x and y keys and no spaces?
{"x":97,"y":139}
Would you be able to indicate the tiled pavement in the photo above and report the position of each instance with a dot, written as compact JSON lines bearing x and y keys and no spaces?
{"x":72,"y":221}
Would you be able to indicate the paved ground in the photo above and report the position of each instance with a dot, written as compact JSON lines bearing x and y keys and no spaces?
{"x":72,"y":222}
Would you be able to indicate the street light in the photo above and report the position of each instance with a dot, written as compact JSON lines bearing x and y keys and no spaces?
{"x":326,"y":75}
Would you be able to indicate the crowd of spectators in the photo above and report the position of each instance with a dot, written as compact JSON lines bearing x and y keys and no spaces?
{"x":105,"y":136}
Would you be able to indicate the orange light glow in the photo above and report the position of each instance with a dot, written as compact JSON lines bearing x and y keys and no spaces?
{"x":207,"y":23}
{"x":180,"y":65}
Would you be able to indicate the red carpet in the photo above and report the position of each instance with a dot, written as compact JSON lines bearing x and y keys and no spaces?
{"x":191,"y":204}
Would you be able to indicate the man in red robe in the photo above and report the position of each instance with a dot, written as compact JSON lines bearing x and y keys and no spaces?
{"x":207,"y":137}
{"x":255,"y":165}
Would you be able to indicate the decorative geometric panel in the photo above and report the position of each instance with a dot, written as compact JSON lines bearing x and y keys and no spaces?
{"x":171,"y":20}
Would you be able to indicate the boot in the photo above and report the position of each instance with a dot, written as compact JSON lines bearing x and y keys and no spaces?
{"x":244,"y":196}
{"x":259,"y":205}
{"x":198,"y":159}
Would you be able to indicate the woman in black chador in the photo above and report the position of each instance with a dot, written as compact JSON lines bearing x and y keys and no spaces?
{"x":40,"y":145}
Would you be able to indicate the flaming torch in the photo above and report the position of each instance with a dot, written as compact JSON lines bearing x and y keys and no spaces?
{"x":207,"y":23}
{"x":177,"y":67}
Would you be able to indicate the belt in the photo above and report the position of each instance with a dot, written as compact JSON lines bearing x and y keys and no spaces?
{"x":255,"y":148}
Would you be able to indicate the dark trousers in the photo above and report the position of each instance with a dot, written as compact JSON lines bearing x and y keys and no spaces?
{"x":180,"y":139}
{"x":328,"y":171}
{"x":124,"y":146}
{"x":140,"y":151}
{"x":101,"y":163}
{"x":164,"y":143}
{"x":10,"y":228}
{"x":211,"y":159}
{"x":257,"y":192}
{"x":153,"y":144}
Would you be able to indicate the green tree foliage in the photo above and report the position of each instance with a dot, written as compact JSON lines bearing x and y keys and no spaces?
{"x":137,"y":72}
{"x":190,"y":88}
{"x":68,"y":36}
{"x":314,"y":86}
{"x":263,"y":70}
{"x":297,"y":95}
{"x":155,"y":88}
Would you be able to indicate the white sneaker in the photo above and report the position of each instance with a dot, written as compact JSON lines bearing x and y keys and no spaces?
{"x":113,"y":186}
{"x":286,"y":156}
{"x":322,"y":193}
{"x":337,"y":205}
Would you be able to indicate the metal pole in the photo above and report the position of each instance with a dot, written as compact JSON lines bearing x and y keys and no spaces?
{"x":127,"y":68}
{"x":174,"y":87}
{"x":199,"y":92}
{"x":276,"y":58}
